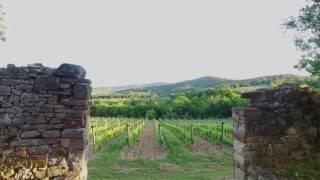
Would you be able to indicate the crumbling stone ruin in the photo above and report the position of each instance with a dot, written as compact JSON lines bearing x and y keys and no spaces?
{"x":280,"y":127}
{"x":43,"y":122}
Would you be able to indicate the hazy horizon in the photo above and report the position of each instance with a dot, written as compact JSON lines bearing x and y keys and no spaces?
{"x":138,"y":42}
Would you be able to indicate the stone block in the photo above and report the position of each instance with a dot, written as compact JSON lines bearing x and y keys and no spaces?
{"x":8,"y":82}
{"x":60,"y":115}
{"x":30,"y":134}
{"x":291,"y":131}
{"x":24,"y":87}
{"x":47,"y":83}
{"x":76,"y":102}
{"x":26,"y":142}
{"x":74,"y":143}
{"x":5,"y":119}
{"x":46,"y":110}
{"x":65,"y":86}
{"x":71,"y":70}
{"x":82,"y":91}
{"x":45,"y":127}
{"x":74,"y":116}
{"x":74,"y":133}
{"x":246,"y":114}
{"x":29,"y":97}
{"x":4,"y":91}
{"x":21,"y":152}
{"x":81,"y":108}
{"x":16,"y":72}
{"x":61,"y":110}
{"x":88,"y":81}
{"x":18,"y":121}
{"x":50,"y":141}
{"x":43,"y":149}
{"x":239,"y":147}
{"x":51,"y":134}
{"x":75,"y":124}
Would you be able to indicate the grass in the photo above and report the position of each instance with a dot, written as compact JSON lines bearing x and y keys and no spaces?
{"x":180,"y":164}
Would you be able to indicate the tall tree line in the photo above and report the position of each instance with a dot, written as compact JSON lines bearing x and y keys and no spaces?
{"x":200,"y":104}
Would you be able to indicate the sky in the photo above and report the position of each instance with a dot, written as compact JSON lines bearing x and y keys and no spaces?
{"x":123,"y":42}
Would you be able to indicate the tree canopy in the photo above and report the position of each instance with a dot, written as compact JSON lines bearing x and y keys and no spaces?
{"x":307,"y":36}
{"x":2,"y":27}
{"x":198,"y":104}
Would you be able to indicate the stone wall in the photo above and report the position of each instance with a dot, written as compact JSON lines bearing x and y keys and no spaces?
{"x":43,"y":122}
{"x":280,"y":127}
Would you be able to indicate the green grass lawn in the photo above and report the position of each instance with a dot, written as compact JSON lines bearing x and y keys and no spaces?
{"x":180,"y":163}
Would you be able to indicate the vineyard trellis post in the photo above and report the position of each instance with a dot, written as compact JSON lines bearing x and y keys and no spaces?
{"x":159,"y":125}
{"x":128,"y":134}
{"x":222,"y":130}
{"x":93,"y":138}
{"x":191,"y":133}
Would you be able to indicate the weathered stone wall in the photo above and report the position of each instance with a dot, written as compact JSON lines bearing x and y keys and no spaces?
{"x":43,"y":122}
{"x":280,"y":127}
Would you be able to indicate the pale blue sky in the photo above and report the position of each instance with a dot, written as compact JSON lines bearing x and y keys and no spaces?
{"x":138,"y":41}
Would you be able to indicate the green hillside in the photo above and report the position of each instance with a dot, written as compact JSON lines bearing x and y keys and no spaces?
{"x":203,"y":82}
{"x":163,"y":89}
{"x":208,"y":81}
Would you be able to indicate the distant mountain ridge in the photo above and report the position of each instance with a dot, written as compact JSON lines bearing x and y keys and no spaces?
{"x":211,"y":81}
{"x":138,"y":86}
{"x":163,"y":88}
{"x":203,"y":82}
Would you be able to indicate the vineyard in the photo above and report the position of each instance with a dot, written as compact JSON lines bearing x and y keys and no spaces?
{"x":161,"y":146}
{"x":215,"y":132}
{"x":104,"y":130}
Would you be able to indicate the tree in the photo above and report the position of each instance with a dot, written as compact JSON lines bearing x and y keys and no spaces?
{"x":307,"y":36}
{"x":151,"y":114}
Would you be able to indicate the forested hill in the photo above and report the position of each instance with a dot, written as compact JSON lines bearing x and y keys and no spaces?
{"x":209,"y":81}
{"x":137,"y":86}
{"x":203,"y":82}
{"x":164,"y":89}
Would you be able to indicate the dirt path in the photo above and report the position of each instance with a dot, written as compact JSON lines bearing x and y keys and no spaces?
{"x":146,"y":147}
{"x":203,"y":146}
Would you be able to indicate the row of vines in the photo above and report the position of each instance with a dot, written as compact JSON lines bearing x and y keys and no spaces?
{"x":104,"y":130}
{"x":216,"y":132}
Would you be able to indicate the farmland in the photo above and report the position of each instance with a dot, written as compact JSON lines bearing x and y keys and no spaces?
{"x":167,"y":132}
{"x":166,"y":149}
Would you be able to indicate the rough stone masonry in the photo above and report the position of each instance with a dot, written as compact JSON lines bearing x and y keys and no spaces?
{"x":280,"y":127}
{"x":43,"y":122}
